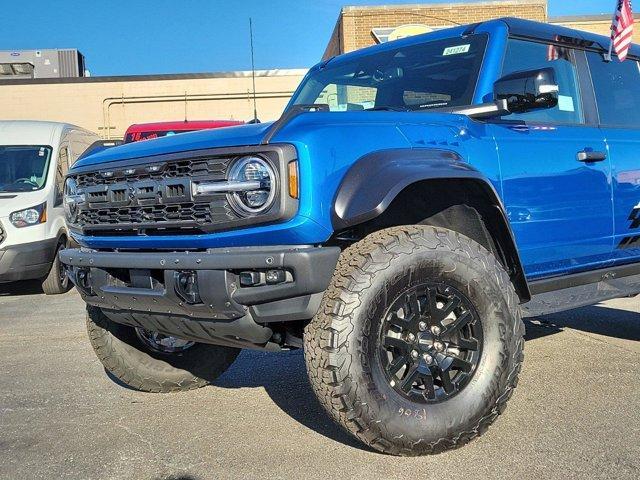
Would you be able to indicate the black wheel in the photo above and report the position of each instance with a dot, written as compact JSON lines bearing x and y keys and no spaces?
{"x":418,"y":343}
{"x":56,"y":282}
{"x":152,"y":362}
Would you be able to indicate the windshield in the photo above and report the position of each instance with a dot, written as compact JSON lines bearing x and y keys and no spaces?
{"x":435,"y":74}
{"x":23,"y":168}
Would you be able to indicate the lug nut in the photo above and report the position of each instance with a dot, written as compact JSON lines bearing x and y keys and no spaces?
{"x":414,"y":354}
{"x":411,"y":337}
{"x":435,"y":330}
{"x":422,"y":326}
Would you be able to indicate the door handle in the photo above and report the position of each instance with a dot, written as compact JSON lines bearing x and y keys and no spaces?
{"x":588,"y":156}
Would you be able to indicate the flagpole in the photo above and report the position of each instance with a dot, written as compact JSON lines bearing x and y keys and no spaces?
{"x":607,"y":57}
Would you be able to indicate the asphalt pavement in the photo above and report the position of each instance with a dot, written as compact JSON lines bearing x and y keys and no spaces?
{"x":575,"y":413}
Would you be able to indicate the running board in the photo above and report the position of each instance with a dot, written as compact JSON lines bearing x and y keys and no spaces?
{"x":610,"y":285}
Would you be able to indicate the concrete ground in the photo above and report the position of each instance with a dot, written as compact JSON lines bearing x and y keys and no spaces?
{"x":575,"y":414}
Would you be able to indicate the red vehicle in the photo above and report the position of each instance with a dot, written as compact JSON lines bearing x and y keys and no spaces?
{"x":148,"y":131}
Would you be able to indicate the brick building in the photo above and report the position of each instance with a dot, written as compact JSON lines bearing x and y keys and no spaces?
{"x":359,"y":27}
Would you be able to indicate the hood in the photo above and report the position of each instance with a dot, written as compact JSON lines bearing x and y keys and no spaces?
{"x":241,"y":135}
{"x":13,"y":201}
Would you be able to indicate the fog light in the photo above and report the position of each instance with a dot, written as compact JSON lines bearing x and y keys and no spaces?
{"x":249,"y":279}
{"x":83,"y":281}
{"x":186,"y":286}
{"x":275,"y":276}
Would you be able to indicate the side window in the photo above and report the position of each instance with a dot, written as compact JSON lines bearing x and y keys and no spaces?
{"x":617,"y":87}
{"x":522,"y":55}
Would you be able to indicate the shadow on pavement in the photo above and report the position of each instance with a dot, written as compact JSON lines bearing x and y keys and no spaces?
{"x":284,"y":378}
{"x":17,"y":289}
{"x":597,"y":319}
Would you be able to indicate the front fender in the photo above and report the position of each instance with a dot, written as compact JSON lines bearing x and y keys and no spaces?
{"x":372,"y":183}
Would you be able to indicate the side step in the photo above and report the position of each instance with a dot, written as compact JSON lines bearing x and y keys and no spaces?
{"x":572,"y":293}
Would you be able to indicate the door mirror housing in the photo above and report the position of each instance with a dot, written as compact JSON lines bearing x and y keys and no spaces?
{"x":528,"y":90}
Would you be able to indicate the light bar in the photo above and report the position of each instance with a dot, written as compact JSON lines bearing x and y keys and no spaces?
{"x":225,"y":187}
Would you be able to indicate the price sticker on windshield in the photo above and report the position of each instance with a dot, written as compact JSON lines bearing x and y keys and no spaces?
{"x":456,"y":50}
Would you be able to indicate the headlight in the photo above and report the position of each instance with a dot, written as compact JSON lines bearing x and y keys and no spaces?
{"x":258,"y":174}
{"x":72,"y":197}
{"x":29,"y":216}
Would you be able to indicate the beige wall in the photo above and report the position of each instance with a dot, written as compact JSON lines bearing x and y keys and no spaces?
{"x":109,"y":107}
{"x":601,"y":27}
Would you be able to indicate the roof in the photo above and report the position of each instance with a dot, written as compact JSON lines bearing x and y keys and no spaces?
{"x":29,"y":132}
{"x":182,"y":125}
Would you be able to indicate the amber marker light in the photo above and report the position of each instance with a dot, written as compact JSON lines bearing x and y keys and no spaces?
{"x":293,"y":179}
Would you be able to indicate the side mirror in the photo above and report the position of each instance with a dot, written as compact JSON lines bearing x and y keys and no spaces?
{"x":58,"y":197}
{"x":526,"y":91}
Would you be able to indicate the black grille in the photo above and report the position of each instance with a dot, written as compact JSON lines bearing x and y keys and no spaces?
{"x":194,"y":214}
{"x":2,"y":234}
{"x":153,"y":196}
{"x":212,"y":168}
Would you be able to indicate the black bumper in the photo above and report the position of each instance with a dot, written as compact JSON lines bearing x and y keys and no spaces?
{"x":27,"y":261}
{"x":144,"y":289}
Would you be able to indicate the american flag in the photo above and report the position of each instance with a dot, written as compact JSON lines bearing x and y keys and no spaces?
{"x":622,"y":29}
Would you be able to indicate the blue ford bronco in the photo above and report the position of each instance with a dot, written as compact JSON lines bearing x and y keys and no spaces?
{"x":415,"y":200}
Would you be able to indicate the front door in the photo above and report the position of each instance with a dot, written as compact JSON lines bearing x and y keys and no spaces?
{"x":555,"y":172}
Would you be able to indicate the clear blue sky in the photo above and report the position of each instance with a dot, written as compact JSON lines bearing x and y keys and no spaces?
{"x":167,"y":36}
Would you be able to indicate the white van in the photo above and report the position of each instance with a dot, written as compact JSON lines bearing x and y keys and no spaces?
{"x":34,"y":158}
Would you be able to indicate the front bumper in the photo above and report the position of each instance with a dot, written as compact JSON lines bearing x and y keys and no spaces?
{"x":147,"y":289}
{"x":27,"y":261}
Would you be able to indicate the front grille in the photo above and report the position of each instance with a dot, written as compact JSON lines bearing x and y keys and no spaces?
{"x":2,"y":234}
{"x":197,"y":214}
{"x":153,"y":196}
{"x":212,"y":168}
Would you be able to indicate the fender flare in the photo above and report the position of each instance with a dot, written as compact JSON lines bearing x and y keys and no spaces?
{"x":376,"y":179}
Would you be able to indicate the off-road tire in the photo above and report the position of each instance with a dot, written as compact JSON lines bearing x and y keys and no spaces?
{"x":339,"y":340}
{"x":130,"y":361}
{"x":53,"y":284}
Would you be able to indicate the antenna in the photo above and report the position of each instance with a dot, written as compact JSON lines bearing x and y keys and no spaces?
{"x":253,"y":74}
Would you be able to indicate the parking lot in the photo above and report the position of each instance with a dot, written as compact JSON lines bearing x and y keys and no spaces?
{"x":575,"y":414}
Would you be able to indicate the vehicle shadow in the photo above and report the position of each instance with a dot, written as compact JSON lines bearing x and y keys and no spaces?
{"x":596,"y":319}
{"x":18,"y":289}
{"x":284,"y":378}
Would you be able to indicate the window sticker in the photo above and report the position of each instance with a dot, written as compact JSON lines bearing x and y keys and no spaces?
{"x":565,"y":104}
{"x":456,"y":50}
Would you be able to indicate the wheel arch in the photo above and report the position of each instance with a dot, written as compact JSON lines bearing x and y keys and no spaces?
{"x":431,"y":187}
